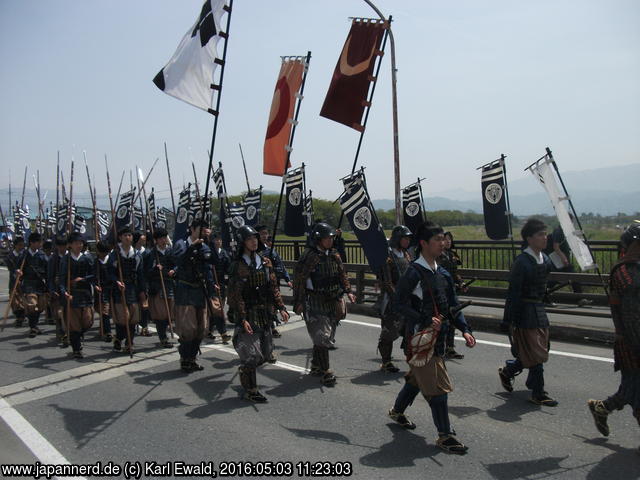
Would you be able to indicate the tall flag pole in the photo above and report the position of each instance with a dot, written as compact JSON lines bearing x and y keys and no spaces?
{"x":173,"y":202}
{"x":189,"y":74}
{"x":96,"y":229}
{"x":244,"y":166}
{"x":24,"y":185}
{"x":289,"y":146}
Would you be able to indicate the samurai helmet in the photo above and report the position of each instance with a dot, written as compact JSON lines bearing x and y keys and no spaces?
{"x":322,"y":230}
{"x":630,"y":234}
{"x":399,"y":232}
{"x":245,"y":232}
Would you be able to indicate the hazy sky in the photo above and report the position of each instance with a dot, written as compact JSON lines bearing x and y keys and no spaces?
{"x":475,"y":79}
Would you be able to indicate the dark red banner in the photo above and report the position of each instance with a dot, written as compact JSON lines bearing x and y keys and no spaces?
{"x":347,"y":96}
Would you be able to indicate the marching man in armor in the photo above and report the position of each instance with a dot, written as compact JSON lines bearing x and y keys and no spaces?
{"x":320,"y":281}
{"x":34,"y":281}
{"x":425,"y":296}
{"x":13,"y":260}
{"x":254,"y":296}
{"x":194,"y":294}
{"x":624,"y":285}
{"x":128,"y":293}
{"x":397,"y":263}
{"x":525,"y":318}
{"x":80,"y":275}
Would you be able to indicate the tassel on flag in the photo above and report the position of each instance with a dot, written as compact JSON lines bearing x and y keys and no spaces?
{"x":188,"y":76}
{"x":347,"y":95}
{"x":281,"y":117}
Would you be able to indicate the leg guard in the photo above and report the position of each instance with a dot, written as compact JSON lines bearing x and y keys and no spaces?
{"x":440,"y":412}
{"x":323,"y":358}
{"x":121,"y":332}
{"x":74,"y":340}
{"x":33,"y":320}
{"x":247,"y":378}
{"x":451,"y":333}
{"x":615,"y":401}
{"x":132,"y":329}
{"x":183,"y":349}
{"x":106,"y":324}
{"x":161,"y":326}
{"x":512,"y":368}
{"x":385,"y":348}
{"x":145,"y":316}
{"x":535,"y":379}
{"x":405,"y":397}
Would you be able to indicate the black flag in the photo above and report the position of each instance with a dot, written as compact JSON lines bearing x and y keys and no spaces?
{"x":252,"y":203}
{"x":182,"y":217}
{"x":494,"y":201}
{"x":294,"y":222}
{"x":123,"y":212}
{"x":412,"y":207}
{"x":362,"y":217}
{"x":103,"y":227}
{"x":79,"y":224}
{"x":161,"y":218}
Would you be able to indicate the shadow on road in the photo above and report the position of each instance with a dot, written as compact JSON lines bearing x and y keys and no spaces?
{"x":527,"y":468}
{"x":402,"y":451}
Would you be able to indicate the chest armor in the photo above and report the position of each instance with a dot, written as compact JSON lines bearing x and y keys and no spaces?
{"x":255,"y":290}
{"x":536,"y":285}
{"x":35,"y":266}
{"x":80,"y":268}
{"x":326,"y":276}
{"x":434,"y":291}
{"x":129,"y":266}
{"x":400,"y":266}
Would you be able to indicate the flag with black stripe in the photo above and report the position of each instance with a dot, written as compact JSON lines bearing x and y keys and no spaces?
{"x":80,"y":224}
{"x":103,"y":227}
{"x":494,"y":201}
{"x":357,"y":207}
{"x":252,"y":204}
{"x":124,"y":217}
{"x":188,"y":76}
{"x":51,"y":220}
{"x":294,"y":220}
{"x":138,"y":222}
{"x":412,"y":208}
{"x":182,"y":217}
{"x":161,"y":218}
{"x":308,"y":211}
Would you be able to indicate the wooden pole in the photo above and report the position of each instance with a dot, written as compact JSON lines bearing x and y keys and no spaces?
{"x":166,"y":157}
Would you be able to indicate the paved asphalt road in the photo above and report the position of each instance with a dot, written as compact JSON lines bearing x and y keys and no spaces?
{"x":107,"y":408}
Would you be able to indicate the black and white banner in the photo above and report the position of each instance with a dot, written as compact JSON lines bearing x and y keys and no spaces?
{"x":21,"y":221}
{"x":79,"y":224}
{"x":103,"y":227}
{"x":124,"y":217}
{"x":51,"y":220}
{"x":294,"y":221}
{"x":308,"y":211}
{"x":494,"y":201}
{"x":412,"y":208}
{"x":138,"y":222}
{"x":236,"y":215}
{"x":218,"y":179}
{"x":252,"y":204}
{"x":182,"y":216}
{"x":189,"y":74}
{"x":151,"y":209}
{"x":357,"y":207}
{"x":161,"y":219}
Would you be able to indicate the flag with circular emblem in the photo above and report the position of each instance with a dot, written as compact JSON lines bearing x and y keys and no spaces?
{"x":494,"y":201}
{"x":276,"y":143}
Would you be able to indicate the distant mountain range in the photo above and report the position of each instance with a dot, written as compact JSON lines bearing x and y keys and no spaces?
{"x":604,"y":191}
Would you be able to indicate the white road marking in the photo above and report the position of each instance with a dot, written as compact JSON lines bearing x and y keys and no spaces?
{"x":504,"y":345}
{"x":34,"y":441}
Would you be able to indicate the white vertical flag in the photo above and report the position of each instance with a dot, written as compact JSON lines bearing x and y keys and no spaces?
{"x":189,"y":74}
{"x":543,"y":171}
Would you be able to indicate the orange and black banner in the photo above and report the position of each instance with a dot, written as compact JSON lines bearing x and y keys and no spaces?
{"x":276,"y":144}
{"x":347,"y":96}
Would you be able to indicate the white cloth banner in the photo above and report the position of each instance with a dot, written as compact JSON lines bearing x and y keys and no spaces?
{"x":189,"y":74}
{"x":543,"y":171}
